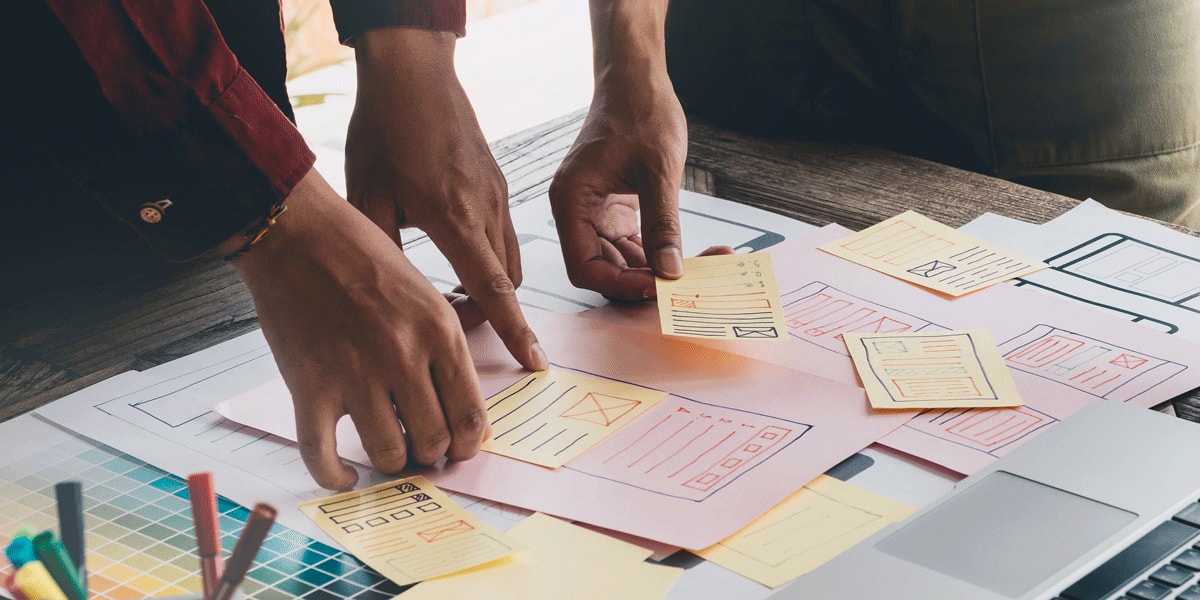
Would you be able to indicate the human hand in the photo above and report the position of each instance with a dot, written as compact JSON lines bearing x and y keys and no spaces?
{"x":356,"y":329}
{"x":415,"y":156}
{"x":628,"y":158}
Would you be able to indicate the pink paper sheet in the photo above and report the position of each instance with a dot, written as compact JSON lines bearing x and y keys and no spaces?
{"x":1062,"y":354}
{"x":734,"y":437}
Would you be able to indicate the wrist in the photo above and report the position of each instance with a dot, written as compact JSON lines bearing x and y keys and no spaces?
{"x":628,"y":40}
{"x":405,"y":51}
{"x":290,"y":232}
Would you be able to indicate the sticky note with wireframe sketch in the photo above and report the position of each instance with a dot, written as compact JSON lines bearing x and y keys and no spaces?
{"x":732,"y":297}
{"x":922,"y":251}
{"x":960,"y":369}
{"x":553,"y":416}
{"x":409,"y":530}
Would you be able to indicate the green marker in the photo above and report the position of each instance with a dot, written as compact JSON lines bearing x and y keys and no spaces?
{"x":54,"y":556}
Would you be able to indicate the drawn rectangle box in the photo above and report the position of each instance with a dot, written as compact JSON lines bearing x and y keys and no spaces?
{"x":1133,"y":266}
{"x":898,"y":243}
{"x":819,"y":313}
{"x":1087,"y":364}
{"x":984,"y":429}
{"x":701,"y":448}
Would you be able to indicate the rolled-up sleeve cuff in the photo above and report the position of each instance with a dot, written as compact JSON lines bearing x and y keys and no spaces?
{"x":353,"y":17}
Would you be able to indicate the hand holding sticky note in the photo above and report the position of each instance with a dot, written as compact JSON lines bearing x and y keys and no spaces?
{"x":732,"y":296}
{"x":940,"y":369}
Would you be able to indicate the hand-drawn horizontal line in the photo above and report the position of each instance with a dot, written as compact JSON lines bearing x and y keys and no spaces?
{"x":699,"y":333}
{"x":369,"y":507}
{"x":546,"y":385}
{"x":910,"y":371}
{"x":682,"y":313}
{"x":717,"y":319}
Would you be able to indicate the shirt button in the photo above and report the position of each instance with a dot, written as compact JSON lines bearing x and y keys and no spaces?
{"x":152,"y":212}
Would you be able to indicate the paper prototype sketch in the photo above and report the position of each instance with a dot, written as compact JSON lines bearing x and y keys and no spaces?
{"x":729,"y":442}
{"x":562,"y":561}
{"x":922,"y":251}
{"x":942,"y":369}
{"x":552,"y":416}
{"x":732,"y":296}
{"x":408,"y":530}
{"x":1060,"y":356}
{"x":823,"y":519}
{"x":1137,"y":269}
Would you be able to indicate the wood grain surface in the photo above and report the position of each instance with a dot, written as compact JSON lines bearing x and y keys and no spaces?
{"x":59,"y":342}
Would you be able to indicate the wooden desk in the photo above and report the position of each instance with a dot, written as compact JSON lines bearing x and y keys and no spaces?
{"x":62,"y":342}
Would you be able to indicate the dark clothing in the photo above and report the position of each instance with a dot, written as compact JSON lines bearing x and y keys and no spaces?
{"x":1086,"y":98}
{"x":169,"y":117}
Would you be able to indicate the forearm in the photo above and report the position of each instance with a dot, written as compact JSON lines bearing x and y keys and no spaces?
{"x":628,"y":40}
{"x":403,"y":56}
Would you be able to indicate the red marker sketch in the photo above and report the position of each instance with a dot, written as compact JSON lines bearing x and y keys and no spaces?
{"x":444,"y":531}
{"x":898,"y":243}
{"x":819,"y":314}
{"x":600,"y":409}
{"x":1093,"y":366}
{"x":984,"y":429}
{"x":688,"y":449}
{"x":929,"y":367}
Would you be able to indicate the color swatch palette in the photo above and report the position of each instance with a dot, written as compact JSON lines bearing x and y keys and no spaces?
{"x":139,"y":531}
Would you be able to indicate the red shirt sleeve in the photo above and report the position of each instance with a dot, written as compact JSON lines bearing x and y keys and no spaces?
{"x":211,"y":144}
{"x":353,"y":17}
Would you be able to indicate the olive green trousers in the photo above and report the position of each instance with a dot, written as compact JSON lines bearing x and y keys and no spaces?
{"x":1085,"y":98}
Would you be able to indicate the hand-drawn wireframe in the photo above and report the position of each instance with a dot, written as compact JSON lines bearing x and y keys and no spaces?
{"x":1093,"y":366}
{"x":1153,"y":280}
{"x":722,"y":297}
{"x":175,"y":407}
{"x":923,"y":251}
{"x":408,"y":530}
{"x":824,"y":520}
{"x":689,"y":449}
{"x":819,"y":313}
{"x":935,"y":367}
{"x":986,"y":430}
{"x":818,"y":522}
{"x":552,"y":416}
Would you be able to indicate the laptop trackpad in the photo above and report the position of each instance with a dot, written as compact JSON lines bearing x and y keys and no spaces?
{"x":1006,"y":533}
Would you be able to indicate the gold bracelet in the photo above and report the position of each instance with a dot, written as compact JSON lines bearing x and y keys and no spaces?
{"x":253,"y":235}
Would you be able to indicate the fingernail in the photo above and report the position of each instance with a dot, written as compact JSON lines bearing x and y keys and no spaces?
{"x":539,"y":357}
{"x":669,"y":262}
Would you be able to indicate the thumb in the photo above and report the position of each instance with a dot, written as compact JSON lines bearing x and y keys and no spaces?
{"x":661,"y":234}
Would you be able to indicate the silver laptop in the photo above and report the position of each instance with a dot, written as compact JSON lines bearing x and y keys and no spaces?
{"x":1104,"y":505}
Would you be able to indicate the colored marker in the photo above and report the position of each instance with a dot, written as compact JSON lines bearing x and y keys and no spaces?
{"x":36,"y":583}
{"x":208,"y":535}
{"x":20,"y":551}
{"x":69,"y":495}
{"x":54,"y":556}
{"x":244,"y":552}
{"x":10,"y":585}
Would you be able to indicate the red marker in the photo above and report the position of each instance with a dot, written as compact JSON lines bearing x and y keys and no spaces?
{"x":208,"y":533}
{"x":253,"y":533}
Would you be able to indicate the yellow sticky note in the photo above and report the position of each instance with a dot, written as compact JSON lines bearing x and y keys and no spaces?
{"x":942,"y":369}
{"x":723,"y":297}
{"x":552,"y":416}
{"x":561,"y":561}
{"x":823,"y":519}
{"x":408,"y":530}
{"x":920,"y":250}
